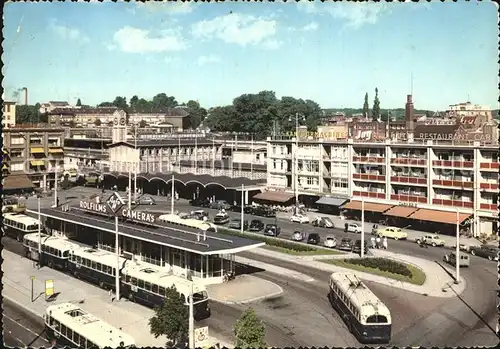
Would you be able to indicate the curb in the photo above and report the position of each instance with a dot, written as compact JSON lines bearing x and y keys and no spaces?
{"x":20,"y":305}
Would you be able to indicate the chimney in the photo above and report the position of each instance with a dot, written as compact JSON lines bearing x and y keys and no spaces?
{"x":409,"y":111}
{"x":25,"y":95}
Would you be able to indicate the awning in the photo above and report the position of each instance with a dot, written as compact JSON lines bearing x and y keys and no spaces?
{"x":37,"y":163}
{"x":20,"y":181}
{"x":276,"y":196}
{"x":5,"y":152}
{"x":5,"y":167}
{"x":56,"y":150}
{"x":439,"y":216}
{"x":325,"y":200}
{"x":401,"y":211}
{"x":37,"y":151}
{"x":356,"y":205}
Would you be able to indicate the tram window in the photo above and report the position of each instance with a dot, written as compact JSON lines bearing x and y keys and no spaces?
{"x":161,"y":291}
{"x":57,"y":325}
{"x":376,"y":319}
{"x":99,"y":267}
{"x":59,"y":253}
{"x":134,"y":281}
{"x":76,"y":338}
{"x":109,"y":270}
{"x":140,"y":283}
{"x":113,"y":272}
{"x":63,"y":330}
{"x":69,"y":333}
{"x":87,"y":263}
{"x":51,"y":320}
{"x":147,"y":286}
{"x":94,"y":265}
{"x":78,"y":259}
{"x":154,"y":288}
{"x":66,"y":254}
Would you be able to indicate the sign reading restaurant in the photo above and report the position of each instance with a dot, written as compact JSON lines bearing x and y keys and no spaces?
{"x":140,"y":216}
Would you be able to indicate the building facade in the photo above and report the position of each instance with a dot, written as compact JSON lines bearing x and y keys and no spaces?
{"x":430,"y":174}
{"x":468,"y":109}
{"x":9,"y":114}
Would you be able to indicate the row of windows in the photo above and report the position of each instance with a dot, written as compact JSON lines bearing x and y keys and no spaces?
{"x":73,"y":336}
{"x":147,"y":286}
{"x":54,"y":251}
{"x":342,"y":296}
{"x":102,"y":268}
{"x":20,"y":226}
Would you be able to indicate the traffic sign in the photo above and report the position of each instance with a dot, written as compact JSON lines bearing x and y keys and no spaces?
{"x":201,"y":337}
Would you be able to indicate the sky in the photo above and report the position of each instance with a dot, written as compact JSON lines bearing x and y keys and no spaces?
{"x":332,"y":53}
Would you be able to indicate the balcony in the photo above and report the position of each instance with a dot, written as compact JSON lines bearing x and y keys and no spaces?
{"x":489,"y":186}
{"x":449,"y":163}
{"x":409,"y":161}
{"x":451,"y":183}
{"x":368,"y":177}
{"x":454,"y":203}
{"x":489,"y":207}
{"x":409,"y":198}
{"x":409,"y":180}
{"x":489,"y":166}
{"x":369,"y":194}
{"x":369,"y":159}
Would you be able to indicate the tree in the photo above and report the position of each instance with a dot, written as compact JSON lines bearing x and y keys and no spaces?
{"x":105,"y":104}
{"x":78,"y":102}
{"x":121,"y":103}
{"x":97,"y":122}
{"x":376,"y":106}
{"x":29,"y":114}
{"x":162,"y":101}
{"x":249,"y":331}
{"x":171,"y":318}
{"x":196,"y":113}
{"x":143,"y":124}
{"x":366,"y":107}
{"x":133,"y":102}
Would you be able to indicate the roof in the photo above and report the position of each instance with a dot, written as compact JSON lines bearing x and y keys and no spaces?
{"x":224,"y":164}
{"x":59,"y":243}
{"x":325,"y":200}
{"x":401,"y":211}
{"x":98,"y":256}
{"x":276,"y":196}
{"x":162,"y":234}
{"x":204,"y":180}
{"x":21,"y":218}
{"x":439,"y":216}
{"x":425,"y":130}
{"x":60,"y":103}
{"x":369,"y":206}
{"x":174,"y":142}
{"x":169,"y":112}
{"x":98,"y":110}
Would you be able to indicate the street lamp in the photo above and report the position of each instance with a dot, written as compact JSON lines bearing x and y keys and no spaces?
{"x":39,"y":234}
{"x":135,"y":163}
{"x":294,"y":159}
{"x":189,"y":276}
{"x":362,"y":227}
{"x":242,"y":207}
{"x":457,"y":249}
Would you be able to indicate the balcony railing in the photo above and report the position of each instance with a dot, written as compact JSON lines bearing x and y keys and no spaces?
{"x":448,"y":163}
{"x":489,"y":165}
{"x":454,"y":203}
{"x":489,"y":186}
{"x":409,"y":198}
{"x":408,"y":161}
{"x":410,"y":180}
{"x":370,"y":159}
{"x":489,"y":207}
{"x":369,"y":177}
{"x":369,"y":194}
{"x":451,"y":183}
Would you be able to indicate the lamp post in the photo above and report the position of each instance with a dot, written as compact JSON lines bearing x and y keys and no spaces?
{"x":457,"y":249}
{"x":362,"y":227}
{"x":242,"y":207}
{"x":294,"y":161}
{"x":172,"y":195}
{"x":135,"y":163}
{"x":189,"y":276}
{"x":117,"y":248}
{"x":39,"y":234}
{"x":55,"y":185}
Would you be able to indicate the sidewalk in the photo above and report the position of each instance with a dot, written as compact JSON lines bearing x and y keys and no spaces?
{"x":130,"y":317}
{"x":436,"y":278}
{"x":450,"y":241}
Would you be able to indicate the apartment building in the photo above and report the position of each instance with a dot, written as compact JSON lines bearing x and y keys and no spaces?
{"x":434,"y":174}
{"x":81,"y":116}
{"x":9,"y":114}
{"x":467,"y":109}
{"x":32,"y":156}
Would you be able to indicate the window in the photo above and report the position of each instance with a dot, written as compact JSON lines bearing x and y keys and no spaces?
{"x":63,"y":330}
{"x":94,"y":265}
{"x":140,"y":283}
{"x":161,"y":291}
{"x":274,"y":164}
{"x":154,"y":288}
{"x":76,"y":338}
{"x":99,"y":267}
{"x":133,"y":281}
{"x":17,"y":140}
{"x":147,"y":286}
{"x":376,"y":319}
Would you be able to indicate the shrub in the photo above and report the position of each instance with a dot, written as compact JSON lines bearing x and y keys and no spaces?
{"x":382,"y":264}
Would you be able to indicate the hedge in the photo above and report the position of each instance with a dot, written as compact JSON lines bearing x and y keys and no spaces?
{"x":382,"y":264}
{"x":269,"y":241}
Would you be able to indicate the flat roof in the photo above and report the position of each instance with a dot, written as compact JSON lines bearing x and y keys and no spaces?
{"x":162,"y":234}
{"x":168,"y":142}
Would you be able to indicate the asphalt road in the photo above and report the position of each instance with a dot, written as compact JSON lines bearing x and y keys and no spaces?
{"x":21,"y":328}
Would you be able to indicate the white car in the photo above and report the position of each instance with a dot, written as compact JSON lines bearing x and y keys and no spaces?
{"x":298,"y":218}
{"x":330,"y":241}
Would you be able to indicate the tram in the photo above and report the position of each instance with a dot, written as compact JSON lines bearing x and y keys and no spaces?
{"x":18,"y":225}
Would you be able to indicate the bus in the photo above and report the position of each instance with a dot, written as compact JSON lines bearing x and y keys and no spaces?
{"x":18,"y":225}
{"x":95,"y":266}
{"x":69,"y":325}
{"x":55,"y":250}
{"x":368,"y":319}
{"x":146,"y":284}
{"x":174,"y":219}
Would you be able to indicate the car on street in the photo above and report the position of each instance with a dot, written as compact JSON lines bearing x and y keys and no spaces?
{"x":200,"y":202}
{"x":246,"y":209}
{"x":263,"y":211}
{"x":298,"y":218}
{"x":330,"y":241}
{"x":199,"y":214}
{"x":236,"y":224}
{"x":256,"y":225}
{"x":323,"y":222}
{"x":221,"y":218}
{"x":298,"y":235}
{"x":272,"y":230}
{"x":356,"y":248}
{"x":392,"y":233}
{"x":430,"y":239}
{"x":352,"y":228}
{"x":144,"y":200}
{"x":345,"y":244}
{"x":485,"y":251}
{"x":451,"y":258}
{"x":220,"y":205}
{"x":313,"y":239}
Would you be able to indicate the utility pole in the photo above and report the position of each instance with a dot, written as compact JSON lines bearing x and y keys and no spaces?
{"x":457,"y":249}
{"x":135,"y":163}
{"x":39,"y":234}
{"x":117,"y":251}
{"x":172,"y":195}
{"x":55,"y":183}
{"x":362,"y":227}
{"x":242,"y":207}
{"x":252,"y":159}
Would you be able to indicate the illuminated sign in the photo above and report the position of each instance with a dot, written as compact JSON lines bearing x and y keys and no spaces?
{"x":140,"y":216}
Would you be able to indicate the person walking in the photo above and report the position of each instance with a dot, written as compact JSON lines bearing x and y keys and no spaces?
{"x":384,"y":243}
{"x":372,"y":239}
{"x":378,"y":241}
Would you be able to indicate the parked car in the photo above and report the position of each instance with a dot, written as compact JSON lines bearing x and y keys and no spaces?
{"x":263,"y":211}
{"x":463,"y":247}
{"x":236,"y":224}
{"x":485,"y":251}
{"x":392,"y":233}
{"x":345,"y":244}
{"x":330,"y":241}
{"x":323,"y":222}
{"x":200,"y":202}
{"x":298,"y":218}
{"x":221,"y":218}
{"x":313,"y":239}
{"x":352,"y":228}
{"x":356,"y":248}
{"x":272,"y":230}
{"x":146,"y":200}
{"x":430,"y":239}
{"x":451,"y":258}
{"x":246,"y":209}
{"x":256,"y":225}
{"x":199,"y":214}
{"x":298,"y":236}
{"x":220,"y":205}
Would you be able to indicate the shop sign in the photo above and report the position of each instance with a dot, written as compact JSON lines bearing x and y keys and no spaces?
{"x":407,"y":204}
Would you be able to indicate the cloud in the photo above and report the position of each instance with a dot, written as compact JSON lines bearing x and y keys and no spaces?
{"x":272,"y":44}
{"x":171,"y":60}
{"x":174,"y":8}
{"x":236,"y":29}
{"x":354,"y":14}
{"x":202,"y":60}
{"x":134,"y":40}
{"x":307,"y":28}
{"x":67,"y":33}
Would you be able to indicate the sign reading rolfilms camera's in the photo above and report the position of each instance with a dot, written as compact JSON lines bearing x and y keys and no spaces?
{"x":139,"y":216}
{"x":92,"y":206}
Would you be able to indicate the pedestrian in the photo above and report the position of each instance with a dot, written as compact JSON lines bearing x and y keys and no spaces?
{"x":57,"y":202}
{"x":378,"y":241}
{"x":372,"y":239}
{"x":385,"y":243}
{"x":111,"y":297}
